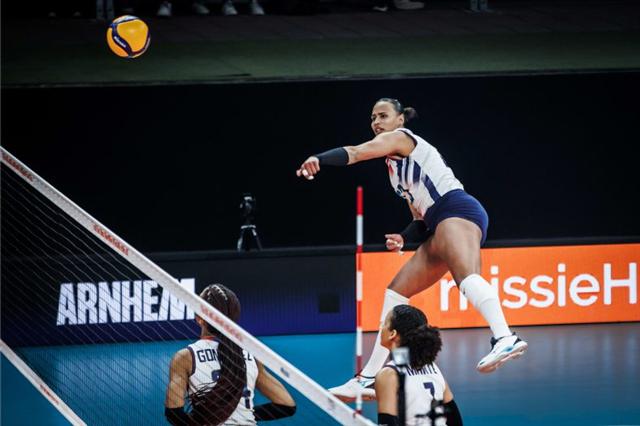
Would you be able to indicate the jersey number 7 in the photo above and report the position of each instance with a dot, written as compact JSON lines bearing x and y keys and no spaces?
{"x":429,"y":386}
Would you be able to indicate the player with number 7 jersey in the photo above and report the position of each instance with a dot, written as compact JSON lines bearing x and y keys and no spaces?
{"x":428,"y":398}
{"x":424,"y":389}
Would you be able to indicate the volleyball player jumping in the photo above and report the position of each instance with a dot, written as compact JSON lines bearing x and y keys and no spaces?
{"x":425,"y":387}
{"x":221,"y":378}
{"x":450,"y":224}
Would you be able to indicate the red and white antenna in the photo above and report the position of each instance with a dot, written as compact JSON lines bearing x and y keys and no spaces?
{"x":359,"y":210}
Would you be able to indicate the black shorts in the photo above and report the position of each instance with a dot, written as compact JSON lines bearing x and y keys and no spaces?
{"x":457,"y":203}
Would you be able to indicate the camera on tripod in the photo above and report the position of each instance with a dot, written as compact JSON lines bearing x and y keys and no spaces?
{"x":248,"y":233}
{"x":248,"y":208}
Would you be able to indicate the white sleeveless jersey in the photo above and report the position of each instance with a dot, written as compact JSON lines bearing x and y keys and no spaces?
{"x":421,"y":388}
{"x":422,"y":177}
{"x":205,"y":371}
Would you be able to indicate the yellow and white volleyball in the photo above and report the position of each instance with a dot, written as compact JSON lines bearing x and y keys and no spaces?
{"x":128,"y":36}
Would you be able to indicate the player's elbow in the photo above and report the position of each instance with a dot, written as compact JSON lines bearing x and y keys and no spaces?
{"x":354,"y":154}
{"x":273,"y":411}
{"x":289,"y":410}
{"x":285,"y":399}
{"x":176,"y":416}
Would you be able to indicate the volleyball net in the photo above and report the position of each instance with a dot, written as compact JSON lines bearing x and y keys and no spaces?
{"x":93,"y":323}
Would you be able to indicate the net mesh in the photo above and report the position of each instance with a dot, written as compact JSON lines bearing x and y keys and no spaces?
{"x":101,"y":330}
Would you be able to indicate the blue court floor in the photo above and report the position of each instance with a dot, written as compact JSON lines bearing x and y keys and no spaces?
{"x":571,"y":375}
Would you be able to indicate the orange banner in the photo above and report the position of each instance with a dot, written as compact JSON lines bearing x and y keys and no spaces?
{"x":537,"y":285}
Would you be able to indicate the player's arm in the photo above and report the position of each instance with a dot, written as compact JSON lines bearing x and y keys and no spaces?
{"x":387,"y":396}
{"x":384,"y":144}
{"x":451,"y":411}
{"x":281,"y":405}
{"x":179,"y":371}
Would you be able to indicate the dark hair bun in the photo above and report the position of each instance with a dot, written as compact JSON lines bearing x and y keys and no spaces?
{"x":409,"y":113}
{"x":424,"y":344}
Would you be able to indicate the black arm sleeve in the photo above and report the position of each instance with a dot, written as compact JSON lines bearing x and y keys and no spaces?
{"x":452,"y":414}
{"x":387,"y":419}
{"x":273,"y":411}
{"x":415,"y":232}
{"x":176,"y":416}
{"x":334,"y":157}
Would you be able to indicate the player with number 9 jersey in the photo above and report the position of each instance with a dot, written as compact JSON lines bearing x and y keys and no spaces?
{"x":206,"y":372}
{"x":220,"y":377}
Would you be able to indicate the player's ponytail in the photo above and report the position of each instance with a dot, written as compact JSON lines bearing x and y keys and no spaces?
{"x":214,"y":405}
{"x":409,"y":112}
{"x":423,"y":341}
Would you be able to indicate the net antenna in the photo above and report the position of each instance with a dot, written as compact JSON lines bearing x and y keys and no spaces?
{"x":359,"y":278}
{"x":181,"y":296}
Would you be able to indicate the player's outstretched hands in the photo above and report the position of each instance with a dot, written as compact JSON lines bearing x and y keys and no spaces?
{"x":394,"y":242}
{"x":309,"y":168}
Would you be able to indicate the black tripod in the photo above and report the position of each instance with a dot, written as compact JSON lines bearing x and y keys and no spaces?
{"x":248,"y":233}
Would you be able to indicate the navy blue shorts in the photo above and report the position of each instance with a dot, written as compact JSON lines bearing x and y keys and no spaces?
{"x":457,"y":203}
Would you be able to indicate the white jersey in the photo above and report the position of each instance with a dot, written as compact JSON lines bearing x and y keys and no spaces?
{"x":206,"y":370}
{"x":422,"y":177}
{"x":421,"y":388}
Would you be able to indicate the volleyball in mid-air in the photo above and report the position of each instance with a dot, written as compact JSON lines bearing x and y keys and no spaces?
{"x":128,"y":36}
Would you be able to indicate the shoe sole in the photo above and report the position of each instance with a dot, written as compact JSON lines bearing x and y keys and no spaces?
{"x":501,"y":360}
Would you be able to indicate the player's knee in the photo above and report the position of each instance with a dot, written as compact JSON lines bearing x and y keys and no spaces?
{"x":463,"y":270}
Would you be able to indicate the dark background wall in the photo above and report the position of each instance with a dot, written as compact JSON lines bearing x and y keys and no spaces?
{"x":166,"y":166}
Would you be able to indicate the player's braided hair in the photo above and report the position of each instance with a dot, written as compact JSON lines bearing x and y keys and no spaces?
{"x":213,"y":405}
{"x":409,"y":112}
{"x":423,"y":341}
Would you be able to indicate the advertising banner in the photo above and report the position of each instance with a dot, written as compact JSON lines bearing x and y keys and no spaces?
{"x":536,"y":285}
{"x":81,"y":300}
